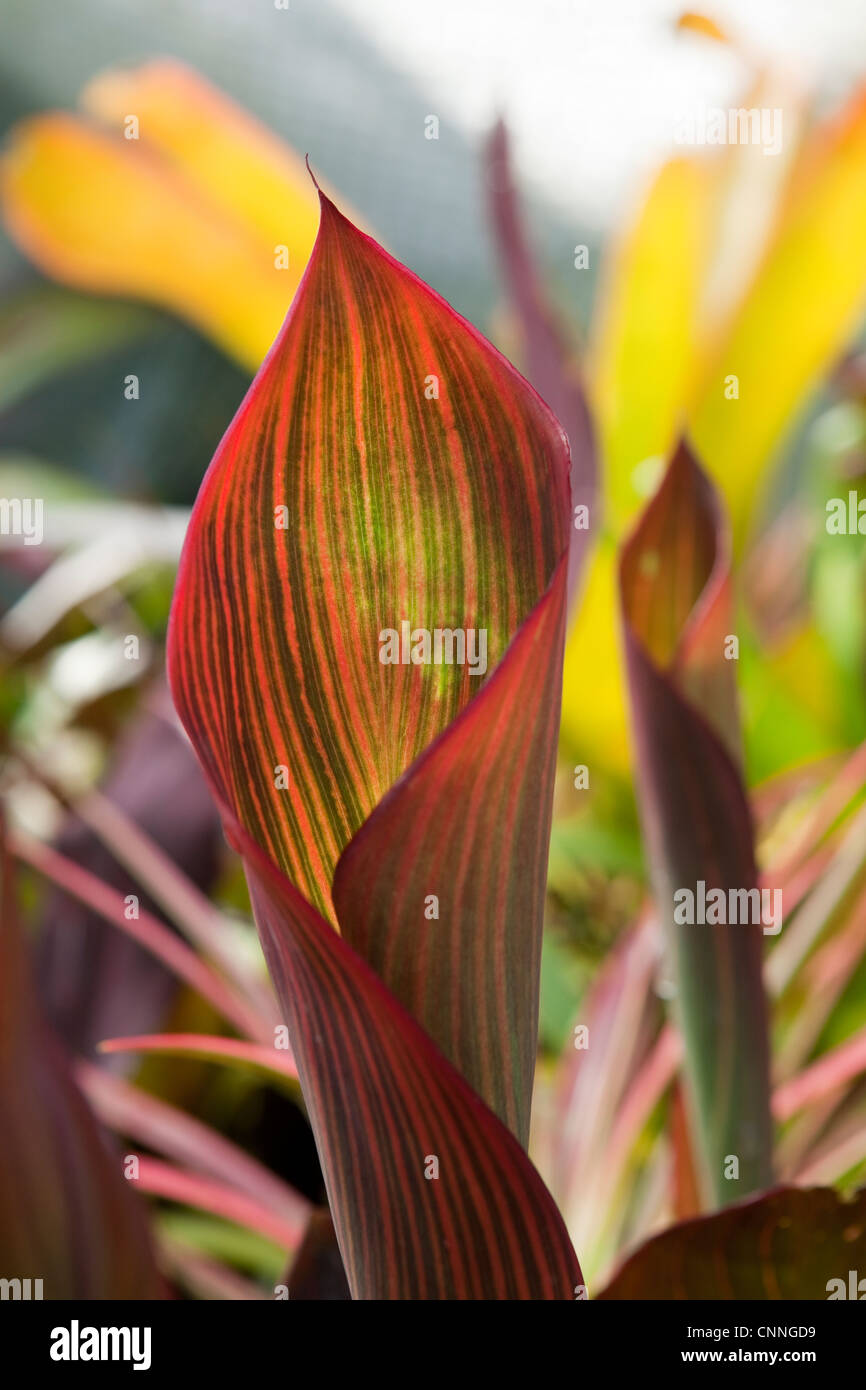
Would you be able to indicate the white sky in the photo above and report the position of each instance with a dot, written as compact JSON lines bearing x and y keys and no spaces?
{"x":592,"y":89}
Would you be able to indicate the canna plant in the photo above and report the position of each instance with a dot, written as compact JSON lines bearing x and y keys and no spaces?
{"x":355,"y":945}
{"x":389,"y":472}
{"x":676,"y":596}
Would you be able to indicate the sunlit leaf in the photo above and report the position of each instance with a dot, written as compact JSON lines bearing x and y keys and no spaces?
{"x":799,"y":316}
{"x":388,"y":467}
{"x":646,"y":333}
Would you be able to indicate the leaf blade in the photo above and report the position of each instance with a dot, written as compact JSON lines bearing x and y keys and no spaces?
{"x":787,"y":1244}
{"x":674,"y":581}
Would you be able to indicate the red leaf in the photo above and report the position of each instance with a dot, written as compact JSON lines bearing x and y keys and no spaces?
{"x":151,"y":1121}
{"x":179,"y":1185}
{"x":276,"y":1064}
{"x":422,"y":481}
{"x":786,"y":1244}
{"x":383,"y":1102}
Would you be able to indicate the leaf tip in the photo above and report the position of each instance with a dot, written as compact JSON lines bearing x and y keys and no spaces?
{"x":312,"y":175}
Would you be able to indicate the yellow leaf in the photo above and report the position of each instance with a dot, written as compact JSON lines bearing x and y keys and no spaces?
{"x":174,"y":195}
{"x":95,"y":211}
{"x":594,"y":719}
{"x":696,"y":23}
{"x":801,"y":312}
{"x":223,"y":153}
{"x":646,"y":338}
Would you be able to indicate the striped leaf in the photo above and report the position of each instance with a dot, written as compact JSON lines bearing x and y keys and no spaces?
{"x":675,"y":592}
{"x":432,"y":1197}
{"x":390,"y":475}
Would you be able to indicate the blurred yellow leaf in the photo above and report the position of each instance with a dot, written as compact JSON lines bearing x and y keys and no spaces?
{"x":646,"y":340}
{"x":594,"y":718}
{"x":731,"y":269}
{"x":695,"y":23}
{"x":223,"y":153}
{"x":94,"y":211}
{"x":189,"y":203}
{"x":800,"y":313}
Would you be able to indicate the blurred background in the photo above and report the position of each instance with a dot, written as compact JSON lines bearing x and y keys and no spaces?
{"x":144,"y":269}
{"x":591,"y":95}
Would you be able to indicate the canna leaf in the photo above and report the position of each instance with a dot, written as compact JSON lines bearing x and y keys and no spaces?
{"x":787,"y":1244}
{"x":393,"y":499}
{"x":67,"y":1216}
{"x":675,"y":590}
{"x":389,"y":468}
{"x":384,"y":1104}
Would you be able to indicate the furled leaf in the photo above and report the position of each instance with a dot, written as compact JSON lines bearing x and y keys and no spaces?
{"x":386,"y":1107}
{"x":393,"y":515}
{"x":67,"y":1215}
{"x":389,"y":467}
{"x":789,"y":1243}
{"x":675,"y":583}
